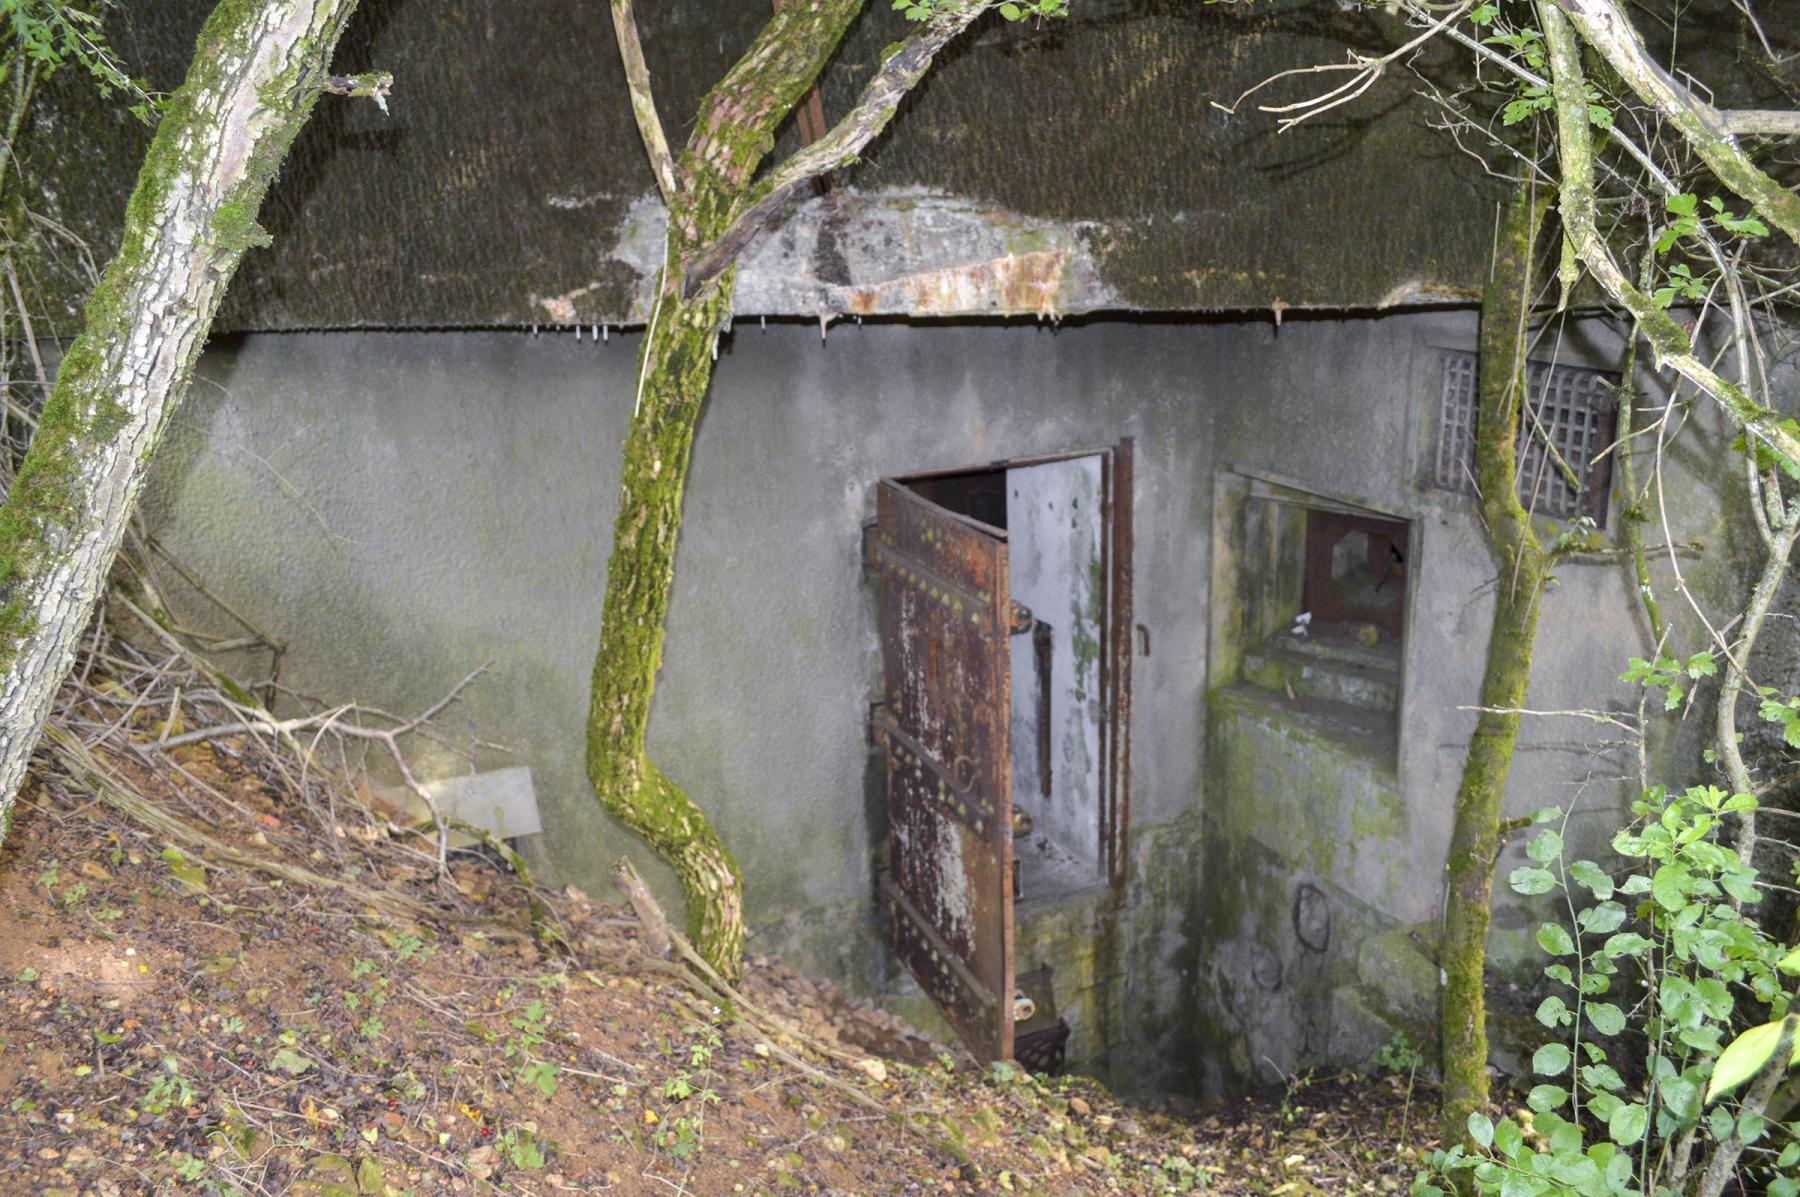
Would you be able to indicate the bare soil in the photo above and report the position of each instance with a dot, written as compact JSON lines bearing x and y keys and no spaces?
{"x":174,"y":1023}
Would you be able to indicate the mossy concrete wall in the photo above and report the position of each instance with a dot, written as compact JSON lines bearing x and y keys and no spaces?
{"x":1291,"y":805}
{"x":403,"y":507}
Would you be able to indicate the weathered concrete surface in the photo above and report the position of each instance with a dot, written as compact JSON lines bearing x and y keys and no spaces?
{"x":402,"y":507}
{"x":1062,"y":166}
{"x":1279,"y":818}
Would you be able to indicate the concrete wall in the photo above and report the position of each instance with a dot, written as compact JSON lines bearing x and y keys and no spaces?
{"x":403,"y":507}
{"x":1293,"y":814}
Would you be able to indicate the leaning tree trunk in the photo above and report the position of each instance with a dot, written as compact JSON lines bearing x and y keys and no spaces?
{"x":735,"y":129}
{"x":257,"y":71}
{"x":1521,"y":564}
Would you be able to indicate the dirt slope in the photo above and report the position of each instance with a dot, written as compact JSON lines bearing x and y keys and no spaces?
{"x":236,"y":1002}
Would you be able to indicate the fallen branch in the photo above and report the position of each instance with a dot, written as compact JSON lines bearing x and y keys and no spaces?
{"x":332,"y":722}
{"x":651,"y":919}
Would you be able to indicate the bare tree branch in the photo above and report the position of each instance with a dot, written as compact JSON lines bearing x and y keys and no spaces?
{"x":899,"y":73}
{"x":1576,"y":151}
{"x":1704,"y":127}
{"x":1762,"y":122}
{"x":643,"y":103}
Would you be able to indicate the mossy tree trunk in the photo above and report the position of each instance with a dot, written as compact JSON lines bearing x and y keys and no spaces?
{"x":716,"y":205}
{"x":1521,"y":564}
{"x":258,"y":68}
{"x":735,"y":129}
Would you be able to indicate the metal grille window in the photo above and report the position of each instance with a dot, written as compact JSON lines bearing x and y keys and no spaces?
{"x":1571,"y":411}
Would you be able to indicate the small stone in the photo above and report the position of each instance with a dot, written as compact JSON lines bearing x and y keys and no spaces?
{"x":1080,"y":1107}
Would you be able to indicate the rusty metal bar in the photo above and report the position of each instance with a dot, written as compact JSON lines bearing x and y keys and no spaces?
{"x":809,"y":116}
{"x":1123,"y":544}
{"x":1041,"y":656}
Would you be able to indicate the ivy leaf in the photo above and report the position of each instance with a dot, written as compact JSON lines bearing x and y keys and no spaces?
{"x":290,"y":1061}
{"x":1667,"y":887}
{"x":1599,"y":920}
{"x":1544,"y":1098}
{"x":1602,"y":1076}
{"x":1545,"y":847}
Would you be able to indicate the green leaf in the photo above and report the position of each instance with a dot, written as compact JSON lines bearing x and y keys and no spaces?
{"x":1602,"y":1076}
{"x":1606,"y":1018}
{"x":1553,"y":1012}
{"x":1012,"y":12}
{"x":1508,"y":1138}
{"x":290,"y":1061}
{"x":1544,"y":1098}
{"x":1531,"y":881}
{"x":1602,"y":919}
{"x":1745,"y":1056}
{"x":1552,"y":1059}
{"x":1626,"y":1126}
{"x":191,"y":873}
{"x":1593,"y":878}
{"x":1790,"y":963}
{"x":1545,"y":847}
{"x":1555,"y":940}
{"x":1668,"y":887}
{"x":1481,"y":1129}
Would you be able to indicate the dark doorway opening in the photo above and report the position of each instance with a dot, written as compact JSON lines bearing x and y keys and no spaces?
{"x":1006,"y":637}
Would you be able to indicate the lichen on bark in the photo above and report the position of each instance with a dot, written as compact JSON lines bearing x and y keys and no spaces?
{"x":248,"y":92}
{"x":1521,"y":564}
{"x":734,"y":130}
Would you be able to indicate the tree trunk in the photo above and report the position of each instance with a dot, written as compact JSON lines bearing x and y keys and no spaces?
{"x":1521,"y":563}
{"x":257,"y":71}
{"x":735,"y":129}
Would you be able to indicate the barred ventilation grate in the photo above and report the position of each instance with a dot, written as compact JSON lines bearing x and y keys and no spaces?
{"x":1570,"y":410}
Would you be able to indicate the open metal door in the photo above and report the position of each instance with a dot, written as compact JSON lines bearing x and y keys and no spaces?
{"x":945,"y":623}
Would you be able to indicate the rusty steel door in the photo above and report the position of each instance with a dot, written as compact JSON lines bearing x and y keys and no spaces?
{"x":945,"y":621}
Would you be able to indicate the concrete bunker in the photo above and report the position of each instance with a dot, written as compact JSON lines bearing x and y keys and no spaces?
{"x":1006,"y":637}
